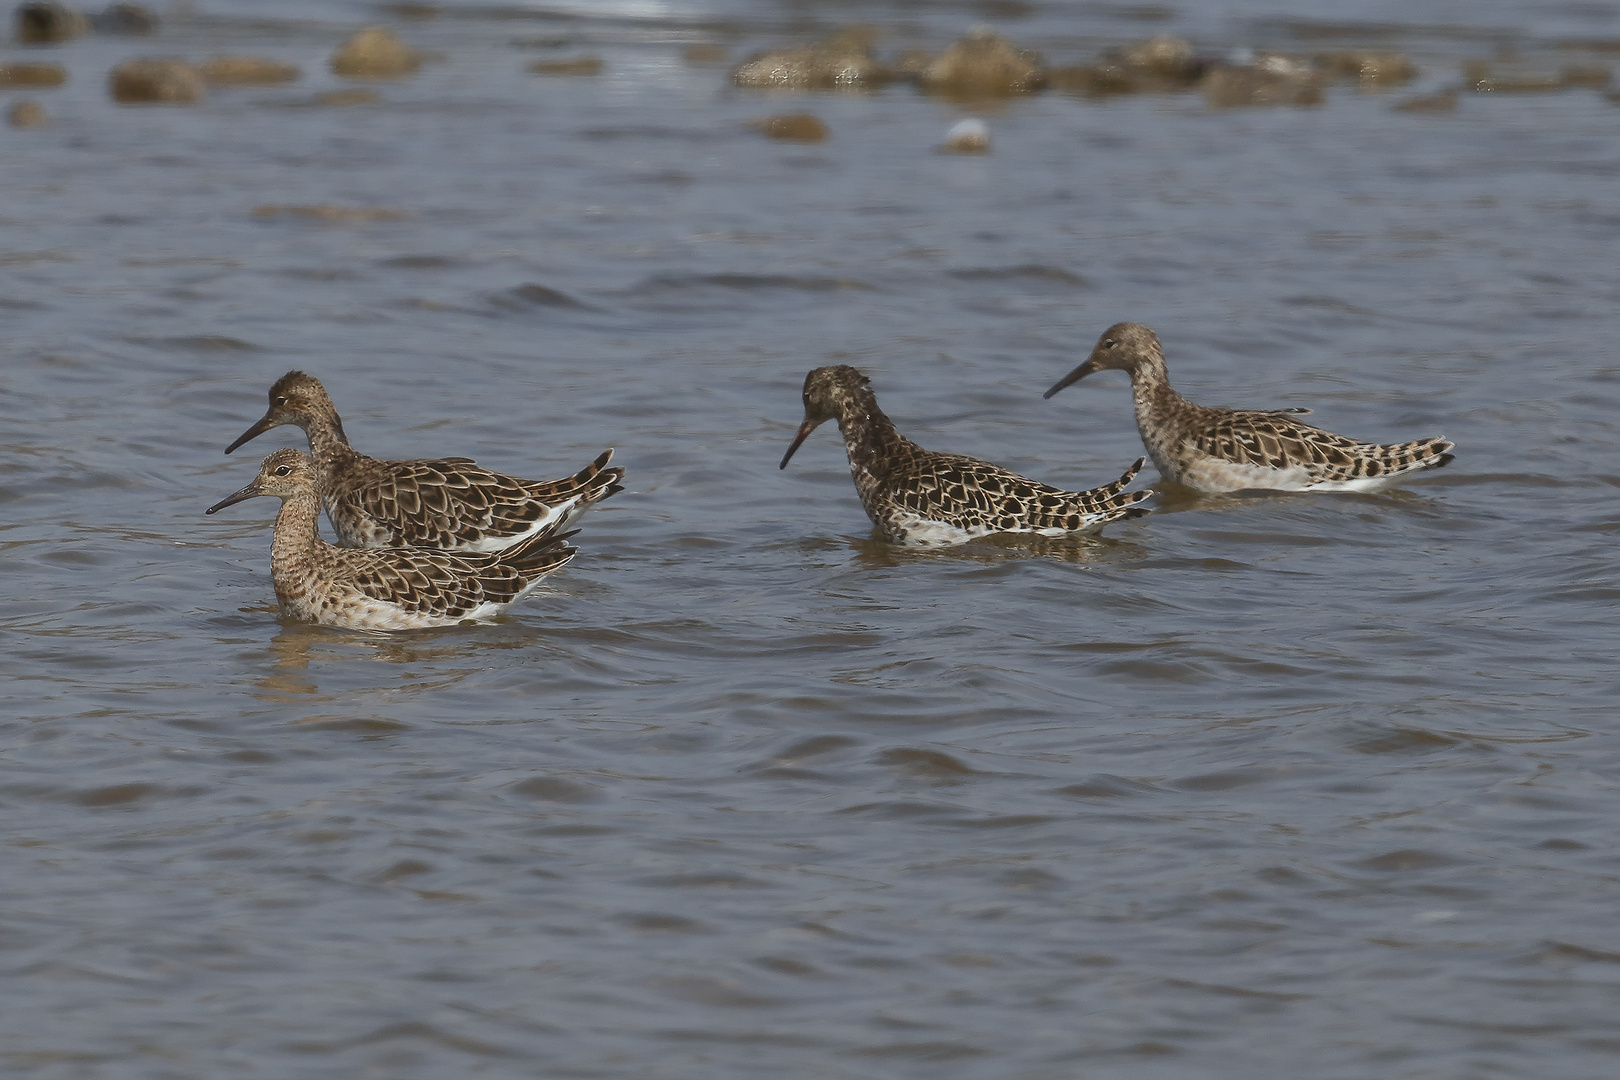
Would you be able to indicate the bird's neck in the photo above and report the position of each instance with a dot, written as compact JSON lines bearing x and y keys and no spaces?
{"x":870,"y":436}
{"x":296,"y":544}
{"x":1152,"y":393}
{"x":328,"y":445}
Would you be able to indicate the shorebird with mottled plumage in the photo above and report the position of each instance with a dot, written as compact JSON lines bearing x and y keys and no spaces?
{"x":917,"y":496}
{"x":390,"y":588}
{"x":450,"y":503}
{"x":1217,"y":450}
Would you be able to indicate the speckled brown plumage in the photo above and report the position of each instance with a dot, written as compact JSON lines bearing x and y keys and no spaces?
{"x":1215,"y":449}
{"x":385,"y":588}
{"x":451,"y":503}
{"x":917,"y":496}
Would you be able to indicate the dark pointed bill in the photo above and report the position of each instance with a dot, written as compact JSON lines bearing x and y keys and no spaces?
{"x":804,"y":433}
{"x":253,"y":432}
{"x":1073,"y":377}
{"x":231,"y":500}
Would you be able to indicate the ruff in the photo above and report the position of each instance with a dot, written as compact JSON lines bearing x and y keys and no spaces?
{"x":449,"y":503}
{"x":916,"y":496}
{"x":1217,"y":450}
{"x":385,"y":588}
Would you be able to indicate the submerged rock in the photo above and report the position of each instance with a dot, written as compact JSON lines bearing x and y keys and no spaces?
{"x":844,"y":61}
{"x":794,"y":127}
{"x":1372,"y":71}
{"x":246,"y":71}
{"x":1484,"y":77}
{"x":1271,"y":79}
{"x":375,"y":52}
{"x":970,"y":136}
{"x":35,"y":75}
{"x":1162,"y":64}
{"x":1443,"y":102}
{"x":132,"y":20}
{"x":582,"y":65}
{"x":983,"y":64}
{"x":45,"y":22}
{"x":1591,"y":76}
{"x":156,"y":82}
{"x":704,"y":53}
{"x":330,"y":214}
{"x":26,"y":114}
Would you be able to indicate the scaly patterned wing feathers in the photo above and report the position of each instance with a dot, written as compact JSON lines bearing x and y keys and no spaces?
{"x":1274,"y":440}
{"x":449,"y":502}
{"x":972,"y":494}
{"x":448,"y":584}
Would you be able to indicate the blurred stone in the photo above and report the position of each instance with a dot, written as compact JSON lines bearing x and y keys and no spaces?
{"x":1093,"y":80}
{"x":1484,"y":77}
{"x":132,"y":20}
{"x":843,"y":62}
{"x":983,"y":64}
{"x":911,"y":62}
{"x":705,"y":53}
{"x":35,"y":75}
{"x":375,"y":53}
{"x":1271,"y":79}
{"x":583,"y":65}
{"x":246,"y":71}
{"x":26,"y":114}
{"x":1443,"y":102}
{"x":970,"y":136}
{"x":1372,"y":71}
{"x":1594,"y":77}
{"x":155,"y":82}
{"x":794,"y":127}
{"x":1162,"y":64}
{"x":45,"y":22}
{"x":330,"y":214}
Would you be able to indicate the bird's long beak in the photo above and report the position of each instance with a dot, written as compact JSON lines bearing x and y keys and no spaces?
{"x":804,"y":433}
{"x":230,"y":500}
{"x":1074,"y":376}
{"x":253,"y":432}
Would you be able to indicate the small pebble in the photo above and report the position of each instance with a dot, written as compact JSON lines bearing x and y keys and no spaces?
{"x":794,"y":127}
{"x":45,"y":22}
{"x":132,"y":20}
{"x":704,"y":53}
{"x":23,"y":74}
{"x":155,"y":82}
{"x":246,"y":71}
{"x":584,"y":65}
{"x":1443,"y":102}
{"x":26,"y":114}
{"x":375,"y":52}
{"x":970,"y":136}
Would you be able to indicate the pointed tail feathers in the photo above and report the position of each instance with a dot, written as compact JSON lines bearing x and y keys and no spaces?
{"x":536,"y":556}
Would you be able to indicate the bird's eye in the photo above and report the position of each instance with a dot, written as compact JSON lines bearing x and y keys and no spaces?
{"x":281,"y":401}
{"x":1109,"y":344}
{"x":283,"y":470}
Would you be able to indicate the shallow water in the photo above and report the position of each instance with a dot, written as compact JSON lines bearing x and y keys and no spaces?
{"x":1253,"y":787}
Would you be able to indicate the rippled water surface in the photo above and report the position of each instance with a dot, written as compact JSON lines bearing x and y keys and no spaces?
{"x":1254,"y":787}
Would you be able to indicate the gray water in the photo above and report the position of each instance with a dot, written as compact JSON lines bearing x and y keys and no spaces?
{"x":1254,"y":787}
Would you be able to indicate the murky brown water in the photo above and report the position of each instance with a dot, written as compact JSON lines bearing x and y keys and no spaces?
{"x":1251,"y":788}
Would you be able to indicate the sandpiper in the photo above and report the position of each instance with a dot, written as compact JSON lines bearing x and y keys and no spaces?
{"x":449,"y":503}
{"x":386,"y":588}
{"x":916,"y":496}
{"x":1217,"y":450}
